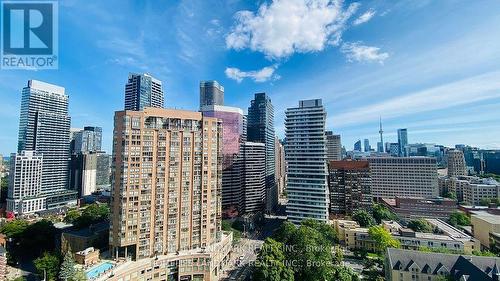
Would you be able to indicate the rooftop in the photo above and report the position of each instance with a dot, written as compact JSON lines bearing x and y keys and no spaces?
{"x":476,"y":267}
{"x":89,"y":231}
{"x":485,"y":216}
{"x":448,"y":229}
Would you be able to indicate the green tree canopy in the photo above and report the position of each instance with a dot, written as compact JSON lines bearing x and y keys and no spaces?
{"x":68,"y":270}
{"x":270,"y":264}
{"x":226,"y":226}
{"x":420,"y":225}
{"x":459,"y":218}
{"x":363,"y":218}
{"x":451,"y":195}
{"x":4,"y":188}
{"x":382,"y":238}
{"x":38,"y":238}
{"x":71,"y":216}
{"x":15,"y":228}
{"x":325,"y":229}
{"x":47,"y":265}
{"x":343,"y":273}
{"x":80,"y":275}
{"x":92,"y":214}
{"x":308,"y":250}
{"x":29,"y":240}
{"x":285,"y":232}
{"x":311,"y":255}
{"x":380,"y":212}
{"x":238,"y":225}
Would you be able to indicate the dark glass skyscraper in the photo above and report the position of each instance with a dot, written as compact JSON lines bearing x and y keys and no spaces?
{"x":211,"y":93}
{"x":357,"y":146}
{"x":260,"y":128}
{"x":44,"y":127}
{"x":232,"y":133}
{"x":143,"y":90}
{"x":402,"y":141}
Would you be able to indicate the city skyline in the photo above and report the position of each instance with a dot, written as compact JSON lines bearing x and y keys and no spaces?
{"x":448,"y":100}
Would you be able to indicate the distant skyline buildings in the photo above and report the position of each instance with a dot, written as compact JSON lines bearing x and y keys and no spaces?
{"x":367,"y":146}
{"x":380,"y":144}
{"x":357,"y":146}
{"x":109,"y":64}
{"x":403,"y":142}
{"x":456,"y":163}
{"x":143,"y":90}
{"x":211,"y":93}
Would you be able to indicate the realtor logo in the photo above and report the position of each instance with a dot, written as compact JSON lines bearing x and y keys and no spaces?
{"x":29,"y":35}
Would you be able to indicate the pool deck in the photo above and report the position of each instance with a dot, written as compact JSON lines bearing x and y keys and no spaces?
{"x":101,"y":273}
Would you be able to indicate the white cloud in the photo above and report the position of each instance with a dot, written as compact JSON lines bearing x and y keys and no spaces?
{"x":262,"y":75}
{"x":462,"y":92}
{"x":284,"y":27}
{"x":368,"y":15}
{"x":357,"y":52}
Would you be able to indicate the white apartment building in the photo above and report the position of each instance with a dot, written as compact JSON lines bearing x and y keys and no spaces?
{"x":305,"y":153}
{"x":25,"y":183}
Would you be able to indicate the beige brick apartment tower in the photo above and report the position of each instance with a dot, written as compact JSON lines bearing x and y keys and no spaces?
{"x":166,"y":182}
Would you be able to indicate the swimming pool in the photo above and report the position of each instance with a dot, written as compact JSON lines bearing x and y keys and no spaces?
{"x":97,"y":270}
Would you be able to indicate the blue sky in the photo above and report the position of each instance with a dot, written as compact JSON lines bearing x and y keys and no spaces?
{"x":430,"y":66}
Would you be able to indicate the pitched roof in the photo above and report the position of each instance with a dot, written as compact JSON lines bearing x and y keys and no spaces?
{"x":471,"y":267}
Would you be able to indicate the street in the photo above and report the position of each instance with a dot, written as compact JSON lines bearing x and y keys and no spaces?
{"x":240,"y":268}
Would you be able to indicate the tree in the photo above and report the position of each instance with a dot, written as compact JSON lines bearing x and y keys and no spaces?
{"x":382,"y":238}
{"x":459,"y":218}
{"x":451,"y":195}
{"x":343,"y":273}
{"x":92,"y":214}
{"x":309,"y":249}
{"x":4,"y":187}
{"x":484,"y":202}
{"x":363,"y":218}
{"x":420,"y":225}
{"x":67,"y":271}
{"x":71,"y":216}
{"x":270,"y":264}
{"x":15,"y":228}
{"x":38,"y":238}
{"x":238,"y":225}
{"x":326,"y":230}
{"x":380,"y":213}
{"x":483,"y":253}
{"x":226,"y":226}
{"x":47,"y":265}
{"x":310,"y":255}
{"x":80,"y":275}
{"x":285,"y":232}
